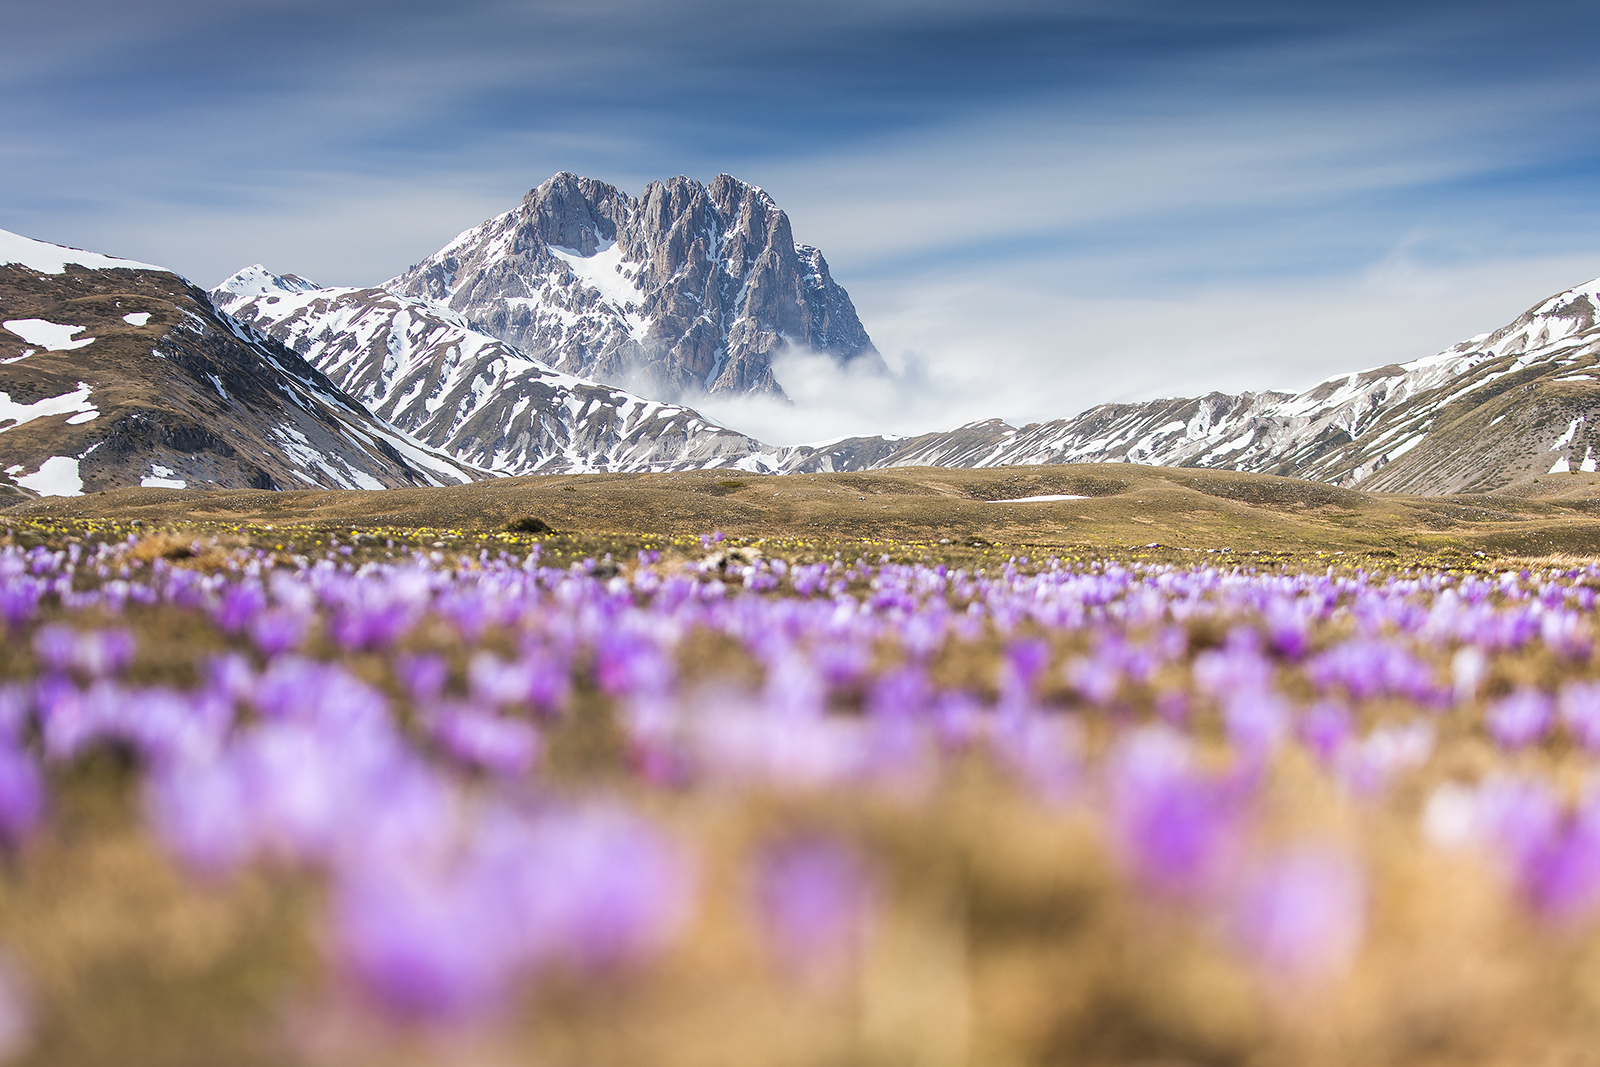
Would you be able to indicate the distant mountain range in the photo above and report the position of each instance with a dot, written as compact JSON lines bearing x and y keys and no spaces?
{"x":1495,"y":409}
{"x":567,"y":334}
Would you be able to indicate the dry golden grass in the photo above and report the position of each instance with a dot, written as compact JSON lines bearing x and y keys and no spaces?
{"x":1127,"y":507}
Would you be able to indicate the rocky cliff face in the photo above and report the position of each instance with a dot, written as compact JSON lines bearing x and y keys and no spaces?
{"x":425,"y":369}
{"x":117,"y":374}
{"x":685,"y":290}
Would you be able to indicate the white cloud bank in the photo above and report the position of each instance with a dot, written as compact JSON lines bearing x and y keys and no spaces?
{"x":979,"y":347}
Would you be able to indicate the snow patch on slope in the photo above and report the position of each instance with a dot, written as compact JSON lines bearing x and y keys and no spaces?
{"x":75,"y":403}
{"x":47,"y":258}
{"x":50,"y":336}
{"x":604,"y":273}
{"x":162,"y":478}
{"x":56,"y":476}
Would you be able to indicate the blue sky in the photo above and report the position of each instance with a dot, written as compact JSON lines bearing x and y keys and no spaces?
{"x":1037,"y":206}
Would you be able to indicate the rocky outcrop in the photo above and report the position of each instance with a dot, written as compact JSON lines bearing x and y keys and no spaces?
{"x":687,"y":289}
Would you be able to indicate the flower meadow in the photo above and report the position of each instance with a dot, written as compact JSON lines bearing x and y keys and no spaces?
{"x":720,"y":805}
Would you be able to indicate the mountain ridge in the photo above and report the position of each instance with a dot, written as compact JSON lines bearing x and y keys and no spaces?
{"x":166,"y":391}
{"x":429,"y":371}
{"x":1370,"y":428}
{"x":687,"y":289}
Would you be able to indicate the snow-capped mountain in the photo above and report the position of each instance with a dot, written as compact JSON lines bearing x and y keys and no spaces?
{"x":1521,"y":401}
{"x":115,"y":373}
{"x":429,"y":371}
{"x":684,"y":290}
{"x":481,"y":360}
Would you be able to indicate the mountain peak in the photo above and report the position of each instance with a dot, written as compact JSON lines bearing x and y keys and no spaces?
{"x":685,"y":290}
{"x":256,"y":280}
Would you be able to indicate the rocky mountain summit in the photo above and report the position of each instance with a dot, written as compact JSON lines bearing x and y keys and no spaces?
{"x":430,"y":372}
{"x":115,"y":373}
{"x":1477,"y":417}
{"x":685,"y":290}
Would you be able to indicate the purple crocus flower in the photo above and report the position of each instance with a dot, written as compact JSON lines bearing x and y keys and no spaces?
{"x":596,"y":888}
{"x":230,"y":677}
{"x":813,"y":899}
{"x":1176,"y":830}
{"x":1520,"y":719}
{"x":625,"y":662}
{"x":102,"y":653}
{"x":1256,"y":721}
{"x":502,"y":746}
{"x":737,"y":742}
{"x":1369,"y":667}
{"x":428,"y":946}
{"x":1580,"y":710}
{"x":1552,"y":856}
{"x":1045,"y":750}
{"x":423,"y":676}
{"x":1096,"y":679}
{"x":1560,"y":874}
{"x":22,"y":797}
{"x":239,"y":605}
{"x":957,"y":720}
{"x":1237,"y":667}
{"x":200,"y":813}
{"x":1301,"y":914}
{"x":1517,"y":815}
{"x":1367,"y":767}
{"x":56,"y":645}
{"x":498,"y":683}
{"x":319,"y":693}
{"x":1287,"y":624}
{"x":900,"y":694}
{"x":19,"y":601}
{"x":1467,"y":669}
{"x":1026,"y":659}
{"x":1324,"y":728}
{"x":278,"y":630}
{"x":65,"y":721}
{"x":1567,"y":633}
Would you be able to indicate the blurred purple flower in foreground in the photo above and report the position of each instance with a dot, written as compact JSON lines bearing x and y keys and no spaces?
{"x":1176,"y":829}
{"x":22,"y":797}
{"x":1580,"y":710}
{"x":1301,"y":914}
{"x":813,"y":899}
{"x":443,"y":936}
{"x":1552,"y":855}
{"x":1520,"y":719}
